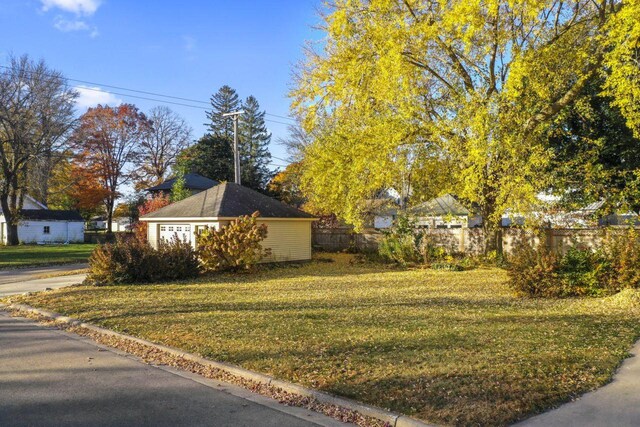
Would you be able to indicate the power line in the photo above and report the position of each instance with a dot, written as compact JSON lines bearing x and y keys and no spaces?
{"x":152,"y":94}
{"x":282,"y":117}
{"x":165,"y":102}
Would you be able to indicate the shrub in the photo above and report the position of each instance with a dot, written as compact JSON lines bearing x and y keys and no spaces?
{"x":533,"y":271}
{"x":234,"y":246}
{"x":133,"y":261}
{"x":398,"y":248}
{"x":179,"y":259}
{"x":400,"y":244}
{"x":615,"y":265}
{"x":622,"y":252}
{"x":430,"y":251}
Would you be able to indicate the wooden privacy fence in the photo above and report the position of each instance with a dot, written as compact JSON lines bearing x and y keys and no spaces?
{"x":463,"y":240}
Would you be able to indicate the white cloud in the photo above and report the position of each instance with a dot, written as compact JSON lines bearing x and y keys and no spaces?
{"x":90,"y":96}
{"x":66,"y":25}
{"x":79,"y":7}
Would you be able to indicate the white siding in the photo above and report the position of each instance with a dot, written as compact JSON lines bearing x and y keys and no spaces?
{"x":59,"y":232}
{"x":152,"y":233}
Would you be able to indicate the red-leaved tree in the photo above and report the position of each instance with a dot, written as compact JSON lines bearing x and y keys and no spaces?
{"x":107,"y":143}
{"x":150,"y":205}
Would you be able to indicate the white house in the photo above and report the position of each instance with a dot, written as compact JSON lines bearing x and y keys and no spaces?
{"x":288,"y":229}
{"x":41,"y":225}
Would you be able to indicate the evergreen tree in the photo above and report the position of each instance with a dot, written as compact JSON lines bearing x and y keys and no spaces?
{"x":211,"y":156}
{"x":595,"y":153}
{"x":178,"y":190}
{"x":226,"y":100}
{"x":254,"y":139}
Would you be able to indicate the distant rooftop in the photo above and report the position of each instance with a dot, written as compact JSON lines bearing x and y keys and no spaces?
{"x":192,"y":181}
{"x":440,"y":206}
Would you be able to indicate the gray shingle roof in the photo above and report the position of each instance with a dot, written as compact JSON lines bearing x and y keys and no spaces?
{"x":50,"y":215}
{"x":228,"y":200}
{"x":440,"y":206}
{"x":192,"y":181}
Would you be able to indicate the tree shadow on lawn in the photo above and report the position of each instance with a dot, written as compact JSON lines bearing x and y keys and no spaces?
{"x":196,"y":305}
{"x":517,"y":381}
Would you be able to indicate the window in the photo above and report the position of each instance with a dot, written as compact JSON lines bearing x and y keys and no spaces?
{"x":170,"y":228}
{"x":163,"y":228}
{"x":178,"y":228}
{"x":47,"y":229}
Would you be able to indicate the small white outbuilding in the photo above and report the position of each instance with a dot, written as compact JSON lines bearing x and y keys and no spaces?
{"x":288,"y":229}
{"x":46,"y":226}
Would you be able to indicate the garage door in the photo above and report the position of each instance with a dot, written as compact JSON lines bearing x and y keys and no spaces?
{"x":183,"y":231}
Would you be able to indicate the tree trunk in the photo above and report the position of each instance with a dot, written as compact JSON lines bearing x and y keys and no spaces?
{"x":12,"y":225}
{"x":109,"y":218}
{"x":12,"y":234}
{"x":492,"y":238}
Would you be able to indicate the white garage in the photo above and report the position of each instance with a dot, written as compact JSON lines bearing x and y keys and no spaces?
{"x":288,"y":229}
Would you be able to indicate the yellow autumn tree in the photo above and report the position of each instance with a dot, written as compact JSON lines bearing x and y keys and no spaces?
{"x":464,"y":89}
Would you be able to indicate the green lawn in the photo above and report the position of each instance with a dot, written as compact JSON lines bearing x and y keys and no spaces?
{"x":34,"y":255}
{"x":446,"y":347}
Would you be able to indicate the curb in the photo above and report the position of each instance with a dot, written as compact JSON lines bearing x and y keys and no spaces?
{"x":389,"y":418}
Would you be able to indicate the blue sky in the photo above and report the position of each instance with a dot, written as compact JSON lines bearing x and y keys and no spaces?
{"x":186,"y":49}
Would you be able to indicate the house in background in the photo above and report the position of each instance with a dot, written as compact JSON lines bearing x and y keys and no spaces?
{"x":96,"y":223}
{"x":381,"y":211}
{"x":38,"y":224}
{"x":444,"y":212}
{"x":193,"y":182}
{"x":118,"y":224}
{"x":288,"y":229}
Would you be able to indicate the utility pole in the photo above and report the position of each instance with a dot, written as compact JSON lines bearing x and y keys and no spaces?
{"x":236,"y":153}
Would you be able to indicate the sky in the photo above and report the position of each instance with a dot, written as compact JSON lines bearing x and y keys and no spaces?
{"x":186,"y":49}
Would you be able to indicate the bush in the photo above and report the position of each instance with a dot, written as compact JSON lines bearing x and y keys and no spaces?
{"x":622,"y":252}
{"x":400,"y":244}
{"x":615,"y":265}
{"x":533,"y":271}
{"x":399,"y":249}
{"x":430,"y":251}
{"x":233,"y":247}
{"x":133,"y":261}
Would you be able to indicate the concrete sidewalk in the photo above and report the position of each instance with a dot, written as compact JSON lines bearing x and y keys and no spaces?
{"x":616,"y":404}
{"x":52,"y":378}
{"x":37,"y":285}
{"x":31,"y":273}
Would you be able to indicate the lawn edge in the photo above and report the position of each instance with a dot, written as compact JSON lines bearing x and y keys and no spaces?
{"x":298,"y":395}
